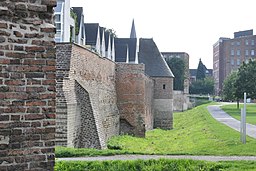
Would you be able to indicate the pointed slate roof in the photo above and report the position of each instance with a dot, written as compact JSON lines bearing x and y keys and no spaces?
{"x":102,"y":30}
{"x":133,"y":31}
{"x":91,"y":32}
{"x":79,"y":12}
{"x":121,"y":52}
{"x":155,"y":65}
{"x":131,"y":43}
{"x":107,"y":37}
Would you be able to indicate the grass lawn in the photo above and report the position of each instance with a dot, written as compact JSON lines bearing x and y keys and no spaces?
{"x":236,"y":113}
{"x":155,"y":165}
{"x":195,"y":132}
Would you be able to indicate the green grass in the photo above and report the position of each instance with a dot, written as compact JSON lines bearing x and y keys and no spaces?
{"x":236,"y":113}
{"x":156,"y":165}
{"x":195,"y":132}
{"x":77,"y":152}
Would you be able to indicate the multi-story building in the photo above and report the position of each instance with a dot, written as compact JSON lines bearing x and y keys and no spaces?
{"x":229,"y":54}
{"x":65,"y":24}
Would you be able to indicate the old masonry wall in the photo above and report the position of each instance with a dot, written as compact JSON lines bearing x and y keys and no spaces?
{"x":27,"y":85}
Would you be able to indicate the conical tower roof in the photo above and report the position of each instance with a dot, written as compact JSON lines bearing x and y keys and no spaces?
{"x":133,"y":31}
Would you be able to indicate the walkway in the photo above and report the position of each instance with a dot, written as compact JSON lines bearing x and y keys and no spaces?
{"x":226,"y":119}
{"x":147,"y":157}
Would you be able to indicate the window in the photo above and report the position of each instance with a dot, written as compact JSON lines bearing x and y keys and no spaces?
{"x":252,"y":42}
{"x":232,"y":43}
{"x":246,"y":42}
{"x":164,"y":86}
{"x":232,"y":61}
{"x":252,"y":52}
{"x":246,"y":52}
{"x":238,"y":52}
{"x":237,"y":43}
{"x":232,"y":52}
{"x":238,"y":62}
{"x":58,"y":26}
{"x":57,"y":18}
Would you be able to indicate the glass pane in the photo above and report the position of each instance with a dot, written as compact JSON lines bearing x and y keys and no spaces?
{"x":57,"y":18}
{"x":58,"y":26}
{"x":58,"y":7}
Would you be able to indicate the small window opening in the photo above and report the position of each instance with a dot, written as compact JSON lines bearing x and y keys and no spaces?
{"x":163,"y":86}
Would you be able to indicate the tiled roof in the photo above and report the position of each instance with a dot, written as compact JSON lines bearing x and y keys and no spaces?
{"x":102,"y":30}
{"x":79,"y":12}
{"x":107,"y":37}
{"x":131,"y":43}
{"x":133,"y":31}
{"x":155,"y":65}
{"x":192,"y":72}
{"x":121,"y":52}
{"x":91,"y":31}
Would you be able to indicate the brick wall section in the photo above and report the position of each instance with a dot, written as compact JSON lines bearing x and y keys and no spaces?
{"x":94,"y":76}
{"x":134,"y":94}
{"x":63,"y":56}
{"x":27,"y":85}
{"x":85,"y":134}
{"x":163,"y":102}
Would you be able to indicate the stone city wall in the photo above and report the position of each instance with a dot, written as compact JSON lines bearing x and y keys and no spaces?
{"x":27,"y":85}
{"x":134,"y":94}
{"x":180,"y":101}
{"x":90,"y":95}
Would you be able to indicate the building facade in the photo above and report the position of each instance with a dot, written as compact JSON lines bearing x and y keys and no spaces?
{"x":229,"y":54}
{"x":65,"y":24}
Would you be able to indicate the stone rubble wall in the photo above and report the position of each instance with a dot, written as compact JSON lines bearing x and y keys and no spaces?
{"x":94,"y":77}
{"x":63,"y":87}
{"x":134,"y":94}
{"x":27,"y":85}
{"x":98,"y":99}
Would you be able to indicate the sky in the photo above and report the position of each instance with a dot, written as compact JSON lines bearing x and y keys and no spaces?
{"x":190,"y":26}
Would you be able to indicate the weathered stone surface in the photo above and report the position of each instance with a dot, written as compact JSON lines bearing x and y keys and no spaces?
{"x":134,"y":94}
{"x":27,"y":88}
{"x":93,"y":76}
{"x":93,"y":91}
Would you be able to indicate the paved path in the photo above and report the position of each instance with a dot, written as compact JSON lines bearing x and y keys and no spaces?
{"x":226,"y":119}
{"x":147,"y":157}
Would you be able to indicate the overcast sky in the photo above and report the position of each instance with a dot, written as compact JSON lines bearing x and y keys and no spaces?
{"x":191,"y":26}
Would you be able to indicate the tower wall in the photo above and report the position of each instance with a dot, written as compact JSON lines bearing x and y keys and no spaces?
{"x":27,"y":85}
{"x":163,"y":102}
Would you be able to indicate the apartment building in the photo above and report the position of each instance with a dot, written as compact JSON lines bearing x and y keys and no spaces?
{"x":230,"y":53}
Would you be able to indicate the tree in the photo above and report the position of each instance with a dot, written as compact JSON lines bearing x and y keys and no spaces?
{"x":202,"y":86}
{"x":239,"y":82}
{"x":177,"y":66}
{"x":112,"y":32}
{"x":229,"y":87}
{"x":246,"y":80}
{"x":200,"y":73}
